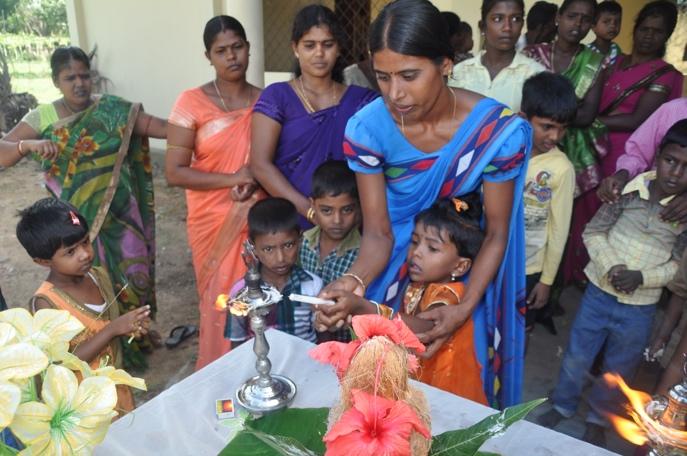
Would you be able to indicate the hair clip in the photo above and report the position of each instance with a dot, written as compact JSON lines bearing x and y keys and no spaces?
{"x":75,"y":218}
{"x":460,"y":205}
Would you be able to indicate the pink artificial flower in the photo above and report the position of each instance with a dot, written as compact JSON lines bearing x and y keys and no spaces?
{"x":374,"y":425}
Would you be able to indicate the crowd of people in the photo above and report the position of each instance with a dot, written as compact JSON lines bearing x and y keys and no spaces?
{"x":459,"y":193}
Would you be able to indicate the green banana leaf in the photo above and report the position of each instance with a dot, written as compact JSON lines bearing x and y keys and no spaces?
{"x":466,"y":442}
{"x":299,"y":432}
{"x":288,"y":432}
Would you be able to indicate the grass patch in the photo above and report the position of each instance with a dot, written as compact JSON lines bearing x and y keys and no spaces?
{"x":35,"y":78}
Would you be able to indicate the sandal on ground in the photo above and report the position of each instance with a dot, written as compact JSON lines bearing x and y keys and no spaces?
{"x":180,"y":333}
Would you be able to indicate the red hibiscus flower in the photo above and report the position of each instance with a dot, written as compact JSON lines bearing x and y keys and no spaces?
{"x":338,"y":354}
{"x":374,"y":425}
{"x":368,"y":326}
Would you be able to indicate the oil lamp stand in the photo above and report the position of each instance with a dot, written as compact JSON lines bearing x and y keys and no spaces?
{"x":264,"y":392}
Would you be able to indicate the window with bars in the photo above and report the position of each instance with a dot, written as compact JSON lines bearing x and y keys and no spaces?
{"x":353,"y":15}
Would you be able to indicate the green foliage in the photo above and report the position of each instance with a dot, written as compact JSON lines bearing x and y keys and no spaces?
{"x":34,"y":17}
{"x":299,"y":432}
{"x":292,"y":432}
{"x":466,"y":442}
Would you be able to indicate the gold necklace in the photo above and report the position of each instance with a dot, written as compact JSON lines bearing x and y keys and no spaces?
{"x":453,"y":112}
{"x":71,"y":111}
{"x":221,"y":98}
{"x":306,"y":100}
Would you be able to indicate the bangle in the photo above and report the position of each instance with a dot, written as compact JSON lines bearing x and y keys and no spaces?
{"x":385,"y":311}
{"x":357,"y":279}
{"x":310,"y":215}
{"x":20,"y":149}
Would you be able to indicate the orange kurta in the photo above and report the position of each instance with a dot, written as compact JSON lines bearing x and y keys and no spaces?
{"x":454,"y":368}
{"x":216,"y":225}
{"x":94,"y":323}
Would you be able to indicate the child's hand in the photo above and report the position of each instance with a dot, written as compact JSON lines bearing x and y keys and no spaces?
{"x":134,"y":322}
{"x":627,"y":281}
{"x":334,"y":317}
{"x":539,"y":296}
{"x":614,"y":271}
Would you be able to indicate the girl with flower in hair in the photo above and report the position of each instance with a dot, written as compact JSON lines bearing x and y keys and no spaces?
{"x":94,"y":151}
{"x":445,"y":241}
{"x":55,"y":235}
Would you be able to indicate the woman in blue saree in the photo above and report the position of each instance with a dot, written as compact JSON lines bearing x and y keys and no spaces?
{"x":423,"y":141}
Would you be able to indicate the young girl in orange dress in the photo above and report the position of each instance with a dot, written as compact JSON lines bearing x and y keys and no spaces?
{"x":56,"y":236}
{"x":445,"y":241}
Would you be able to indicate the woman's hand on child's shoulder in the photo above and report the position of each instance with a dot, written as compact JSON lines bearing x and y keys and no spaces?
{"x":134,"y":322}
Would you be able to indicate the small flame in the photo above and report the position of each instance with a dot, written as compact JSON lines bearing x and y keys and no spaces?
{"x":629,"y":430}
{"x":221,"y":302}
{"x":643,"y":428}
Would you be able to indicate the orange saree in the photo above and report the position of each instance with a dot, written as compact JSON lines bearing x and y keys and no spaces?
{"x":216,"y":225}
{"x":94,"y":323}
{"x":454,"y":368}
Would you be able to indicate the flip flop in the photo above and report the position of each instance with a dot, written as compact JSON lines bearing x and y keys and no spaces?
{"x":180,"y":333}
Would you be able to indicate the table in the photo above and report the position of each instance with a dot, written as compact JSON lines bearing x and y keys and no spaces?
{"x":181,"y":420}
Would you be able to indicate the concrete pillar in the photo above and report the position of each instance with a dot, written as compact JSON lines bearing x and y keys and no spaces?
{"x":75,"y":22}
{"x":249,"y":13}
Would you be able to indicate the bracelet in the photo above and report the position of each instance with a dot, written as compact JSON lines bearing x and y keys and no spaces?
{"x":20,"y":149}
{"x":385,"y":311}
{"x":357,"y":279}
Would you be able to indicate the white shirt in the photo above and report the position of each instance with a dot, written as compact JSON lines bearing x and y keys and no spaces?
{"x":506,"y":87}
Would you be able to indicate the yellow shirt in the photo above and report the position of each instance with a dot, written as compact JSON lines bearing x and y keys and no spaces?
{"x":630,"y":232}
{"x":548,"y":198}
{"x":506,"y":87}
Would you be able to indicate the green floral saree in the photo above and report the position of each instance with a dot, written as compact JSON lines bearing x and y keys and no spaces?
{"x":105,"y":171}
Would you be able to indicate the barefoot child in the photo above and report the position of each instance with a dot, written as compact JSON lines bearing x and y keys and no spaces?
{"x":445,"y":241}
{"x":55,"y":235}
{"x":275,"y":233}
{"x":329,"y":249}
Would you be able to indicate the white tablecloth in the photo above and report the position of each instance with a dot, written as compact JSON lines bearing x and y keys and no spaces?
{"x":182,"y":421}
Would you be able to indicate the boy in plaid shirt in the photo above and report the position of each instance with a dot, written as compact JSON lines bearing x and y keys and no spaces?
{"x":329,"y":249}
{"x":633,"y":255}
{"x":274,"y":231}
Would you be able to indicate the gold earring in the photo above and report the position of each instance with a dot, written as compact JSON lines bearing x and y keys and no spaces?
{"x":310,"y":215}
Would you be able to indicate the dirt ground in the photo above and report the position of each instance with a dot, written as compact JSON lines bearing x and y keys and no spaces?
{"x":177,"y":303}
